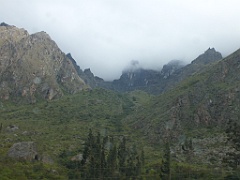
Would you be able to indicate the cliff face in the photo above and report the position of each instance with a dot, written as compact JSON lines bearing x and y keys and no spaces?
{"x":89,"y":78}
{"x":32,"y":66}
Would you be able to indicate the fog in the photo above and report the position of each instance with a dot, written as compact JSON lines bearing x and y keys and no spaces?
{"x":107,"y":35}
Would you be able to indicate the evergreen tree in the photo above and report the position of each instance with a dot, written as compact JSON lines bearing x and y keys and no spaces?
{"x":1,"y":126}
{"x":138,"y":167}
{"x":112,"y":158}
{"x":130,"y":167}
{"x":97,"y":154}
{"x":233,"y":137}
{"x":165,"y":171}
{"x":142,"y":158}
{"x":88,"y":147}
{"x":122,"y":154}
{"x":88,"y":154}
{"x":103,"y":159}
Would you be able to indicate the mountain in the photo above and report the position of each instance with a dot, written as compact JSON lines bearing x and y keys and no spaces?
{"x":88,"y":77}
{"x":204,"y":99}
{"x":196,"y":66}
{"x":157,"y":82}
{"x":32,"y":67}
{"x":199,"y":107}
{"x":189,"y":115}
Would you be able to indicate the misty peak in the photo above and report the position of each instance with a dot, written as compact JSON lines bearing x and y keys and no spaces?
{"x":210,"y":50}
{"x":132,"y":67}
{"x":169,"y":68}
{"x":88,"y":71}
{"x":209,"y":56}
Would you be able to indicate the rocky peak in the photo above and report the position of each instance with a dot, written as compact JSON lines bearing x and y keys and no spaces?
{"x":209,"y":56}
{"x":33,"y":66}
{"x":78,"y":69}
{"x":171,"y":67}
{"x":88,"y":72}
{"x":4,"y":24}
{"x":11,"y":34}
{"x":41,"y":36}
{"x":87,"y":75}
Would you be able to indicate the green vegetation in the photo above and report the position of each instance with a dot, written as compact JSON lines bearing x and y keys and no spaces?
{"x":60,"y":130}
{"x":194,"y":114}
{"x":104,"y":157}
{"x":232,"y":158}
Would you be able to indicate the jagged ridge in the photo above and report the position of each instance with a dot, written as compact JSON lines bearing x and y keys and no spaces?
{"x":32,"y":66}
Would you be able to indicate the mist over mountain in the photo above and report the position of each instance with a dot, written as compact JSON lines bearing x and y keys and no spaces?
{"x":152,"y":81}
{"x":110,"y":35}
{"x":134,"y":76}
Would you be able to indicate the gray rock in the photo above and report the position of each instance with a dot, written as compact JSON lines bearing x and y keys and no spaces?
{"x":24,"y":151}
{"x":12,"y":128}
{"x":78,"y":157}
{"x":47,"y":159}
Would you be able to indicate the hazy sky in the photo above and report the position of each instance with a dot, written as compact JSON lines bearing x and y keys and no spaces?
{"x":106,"y":35}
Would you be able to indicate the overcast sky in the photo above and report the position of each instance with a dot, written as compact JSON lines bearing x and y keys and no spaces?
{"x":106,"y":35}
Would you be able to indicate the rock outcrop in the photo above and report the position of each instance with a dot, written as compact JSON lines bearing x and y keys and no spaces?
{"x":32,"y":67}
{"x":87,"y":75}
{"x":24,"y":151}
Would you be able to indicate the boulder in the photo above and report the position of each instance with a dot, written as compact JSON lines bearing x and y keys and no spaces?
{"x":12,"y":128}
{"x":24,"y":151}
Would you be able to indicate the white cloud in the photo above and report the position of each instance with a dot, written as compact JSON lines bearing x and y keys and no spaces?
{"x":106,"y":35}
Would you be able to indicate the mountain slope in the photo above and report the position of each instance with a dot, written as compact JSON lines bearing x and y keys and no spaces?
{"x":32,"y":66}
{"x":204,"y":100}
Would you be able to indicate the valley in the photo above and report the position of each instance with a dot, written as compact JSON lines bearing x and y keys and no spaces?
{"x":61,"y":122}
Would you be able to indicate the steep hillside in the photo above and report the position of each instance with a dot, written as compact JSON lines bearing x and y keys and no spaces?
{"x":199,"y":108}
{"x":32,"y":67}
{"x":55,"y":127}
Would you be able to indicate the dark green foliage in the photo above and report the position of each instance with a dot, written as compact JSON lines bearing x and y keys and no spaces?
{"x":165,"y":172}
{"x":122,"y":154}
{"x":231,"y":177}
{"x":10,"y":169}
{"x":188,"y":149}
{"x":233,"y":134}
{"x":142,"y":158}
{"x":233,"y":137}
{"x":112,"y":158}
{"x":104,"y":157}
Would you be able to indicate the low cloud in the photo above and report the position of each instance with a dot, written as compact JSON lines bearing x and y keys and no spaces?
{"x":106,"y":35}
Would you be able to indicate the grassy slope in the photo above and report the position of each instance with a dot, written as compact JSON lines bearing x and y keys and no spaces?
{"x":63,"y":124}
{"x":197,"y":108}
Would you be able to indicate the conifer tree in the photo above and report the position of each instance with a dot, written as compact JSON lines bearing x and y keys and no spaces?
{"x":165,"y":171}
{"x":142,"y":158}
{"x":233,"y":137}
{"x":87,"y":148}
{"x":88,"y":154}
{"x":112,"y":158}
{"x":122,"y":154}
